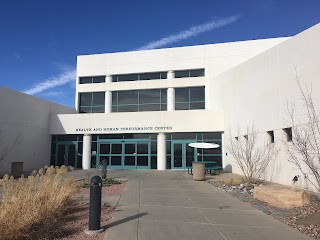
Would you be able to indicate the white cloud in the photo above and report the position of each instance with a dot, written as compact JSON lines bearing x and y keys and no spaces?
{"x":65,"y":77}
{"x":191,"y":32}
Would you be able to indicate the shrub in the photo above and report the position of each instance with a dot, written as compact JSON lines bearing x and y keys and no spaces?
{"x":29,"y":203}
{"x":34,"y":173}
{"x":51,"y":170}
{"x":41,"y":171}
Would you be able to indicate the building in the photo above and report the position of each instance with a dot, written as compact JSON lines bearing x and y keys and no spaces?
{"x":141,"y":109}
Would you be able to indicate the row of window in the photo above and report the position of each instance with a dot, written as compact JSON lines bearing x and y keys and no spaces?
{"x":270,"y":134}
{"x":143,"y":100}
{"x":202,"y":136}
{"x":143,"y":76}
{"x":202,"y":154}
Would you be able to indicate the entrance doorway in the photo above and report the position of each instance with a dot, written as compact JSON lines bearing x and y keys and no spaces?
{"x":128,"y":154}
{"x":66,"y":154}
{"x":182,"y":155}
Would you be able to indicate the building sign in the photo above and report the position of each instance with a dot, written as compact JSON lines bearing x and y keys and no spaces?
{"x":121,"y":129}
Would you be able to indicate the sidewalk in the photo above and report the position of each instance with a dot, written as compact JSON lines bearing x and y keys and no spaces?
{"x":169,"y":205}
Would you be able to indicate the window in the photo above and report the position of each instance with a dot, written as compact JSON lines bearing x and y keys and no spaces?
{"x":189,"y":73}
{"x":139,"y":100}
{"x":96,"y":79}
{"x":288,"y":134}
{"x":139,"y":76}
{"x":91,"y":102}
{"x":189,"y":98}
{"x":271,"y":136}
{"x":246,"y":137}
{"x":237,"y":138}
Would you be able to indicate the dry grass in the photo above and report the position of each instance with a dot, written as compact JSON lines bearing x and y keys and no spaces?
{"x":29,"y":203}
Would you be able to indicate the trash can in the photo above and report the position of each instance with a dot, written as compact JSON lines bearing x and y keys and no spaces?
{"x":16,"y":169}
{"x":199,"y":171}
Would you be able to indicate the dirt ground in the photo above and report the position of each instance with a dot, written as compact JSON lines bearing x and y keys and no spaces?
{"x":75,"y":220}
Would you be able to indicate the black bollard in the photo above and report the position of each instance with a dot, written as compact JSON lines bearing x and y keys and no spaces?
{"x":95,"y":203}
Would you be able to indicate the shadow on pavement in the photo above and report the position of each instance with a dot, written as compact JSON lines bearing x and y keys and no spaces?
{"x":127,"y":219}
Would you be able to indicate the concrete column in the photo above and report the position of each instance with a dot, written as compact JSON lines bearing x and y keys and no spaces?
{"x":170,"y":74}
{"x":162,"y":152}
{"x":170,"y":93}
{"x":108,"y":78}
{"x":171,"y":99}
{"x":108,"y":97}
{"x":108,"y":102}
{"x":86,"y":151}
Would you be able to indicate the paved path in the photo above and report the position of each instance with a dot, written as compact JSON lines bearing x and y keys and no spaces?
{"x":159,"y":205}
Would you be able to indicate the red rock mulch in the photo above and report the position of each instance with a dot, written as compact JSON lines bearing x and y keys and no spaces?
{"x":75,"y":221}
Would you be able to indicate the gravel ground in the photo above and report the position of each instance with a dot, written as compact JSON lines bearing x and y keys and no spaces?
{"x":292,"y":217}
{"x":75,"y":221}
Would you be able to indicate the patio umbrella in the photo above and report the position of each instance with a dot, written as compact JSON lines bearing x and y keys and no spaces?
{"x":203,"y":145}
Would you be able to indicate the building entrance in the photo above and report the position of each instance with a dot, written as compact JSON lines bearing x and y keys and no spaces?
{"x":125,"y":154}
{"x":66,"y":154}
{"x":182,"y":155}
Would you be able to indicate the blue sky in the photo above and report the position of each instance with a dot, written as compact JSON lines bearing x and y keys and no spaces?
{"x":40,"y":39}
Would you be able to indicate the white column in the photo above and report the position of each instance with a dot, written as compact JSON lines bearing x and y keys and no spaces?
{"x":170,"y":99}
{"x":108,"y":78}
{"x":170,"y":93}
{"x":108,"y":102}
{"x":108,"y":97}
{"x":86,"y":152}
{"x":161,"y":152}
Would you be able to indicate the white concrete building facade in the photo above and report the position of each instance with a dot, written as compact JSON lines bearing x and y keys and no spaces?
{"x":141,"y":109}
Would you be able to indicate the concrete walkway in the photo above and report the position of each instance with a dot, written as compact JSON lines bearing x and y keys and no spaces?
{"x":159,"y":205}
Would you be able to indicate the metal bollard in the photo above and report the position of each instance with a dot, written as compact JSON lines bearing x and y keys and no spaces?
{"x":95,"y":206}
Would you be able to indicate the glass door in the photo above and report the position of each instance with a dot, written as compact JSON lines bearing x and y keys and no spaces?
{"x":127,"y":154}
{"x":129,"y":157}
{"x":182,"y":155}
{"x":66,"y":154}
{"x":103,"y":154}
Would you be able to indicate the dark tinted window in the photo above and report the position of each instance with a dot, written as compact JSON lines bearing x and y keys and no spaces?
{"x":182,"y":94}
{"x":127,"y":97}
{"x":149,"y":107}
{"x":189,"y":98}
{"x":149,"y":96}
{"x":99,"y":79}
{"x":149,"y":76}
{"x":128,"y":108}
{"x":84,"y":80}
{"x":85,"y":99}
{"x":139,"y":76}
{"x":197,"y":94}
{"x":139,"y":100}
{"x":128,"y":77}
{"x":197,"y":73}
{"x":181,"y":74}
{"x":98,"y":99}
{"x":91,"y":102}
{"x":189,"y":73}
{"x":95,"y":79}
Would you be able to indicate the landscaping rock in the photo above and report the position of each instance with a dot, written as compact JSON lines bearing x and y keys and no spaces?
{"x":228,"y":181}
{"x":281,"y":196}
{"x":237,"y":181}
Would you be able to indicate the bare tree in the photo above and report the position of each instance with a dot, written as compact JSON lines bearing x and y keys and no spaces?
{"x":304,"y":149}
{"x":6,"y":146}
{"x":252,"y":155}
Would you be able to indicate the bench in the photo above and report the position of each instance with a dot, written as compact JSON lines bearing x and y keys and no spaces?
{"x":207,"y":169}
{"x":214,"y":168}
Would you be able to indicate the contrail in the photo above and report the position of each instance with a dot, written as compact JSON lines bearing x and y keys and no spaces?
{"x":191,"y":32}
{"x":63,"y":78}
